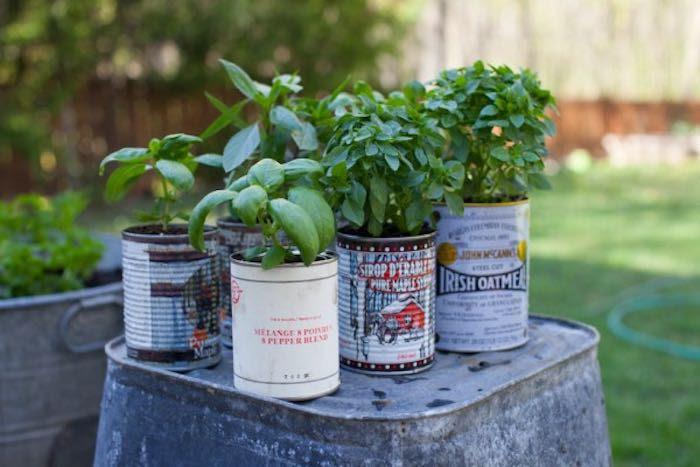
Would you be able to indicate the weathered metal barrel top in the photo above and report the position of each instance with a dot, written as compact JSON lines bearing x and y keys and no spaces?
{"x":540,"y":404}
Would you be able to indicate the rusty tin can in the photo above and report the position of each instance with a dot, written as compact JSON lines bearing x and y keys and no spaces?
{"x":285,"y":328}
{"x":171,"y":299}
{"x":386,"y":290}
{"x":233,"y":237}
{"x":482,"y":277}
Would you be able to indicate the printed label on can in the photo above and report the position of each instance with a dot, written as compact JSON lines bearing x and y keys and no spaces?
{"x":285,"y":333}
{"x":171,"y":299}
{"x":482,"y":277}
{"x":233,"y":237}
{"x":386,"y":304}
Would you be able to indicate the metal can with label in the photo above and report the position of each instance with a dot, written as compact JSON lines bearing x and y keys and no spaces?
{"x":285,"y":328}
{"x":482,"y":277}
{"x":171,"y":298}
{"x":233,"y":237}
{"x":386,"y":303}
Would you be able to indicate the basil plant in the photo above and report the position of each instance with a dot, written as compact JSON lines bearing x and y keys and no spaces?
{"x":275,"y":197}
{"x":383,"y":165}
{"x":173,"y":163}
{"x":284,"y":124}
{"x":496,"y":122}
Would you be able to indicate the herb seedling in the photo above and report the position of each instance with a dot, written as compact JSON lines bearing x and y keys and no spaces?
{"x":383,"y":165}
{"x":42,"y":250}
{"x":274,"y":197}
{"x":496,"y":123}
{"x":170,"y":158}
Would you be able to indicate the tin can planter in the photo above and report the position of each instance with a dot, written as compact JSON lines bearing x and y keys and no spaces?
{"x":233,"y":237}
{"x":386,"y":303}
{"x":171,"y":298}
{"x":482,"y":277}
{"x":285,"y":328}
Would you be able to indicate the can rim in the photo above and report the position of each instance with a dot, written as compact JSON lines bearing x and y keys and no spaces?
{"x":328,"y":258}
{"x":128,"y":233}
{"x":228,"y":222}
{"x":407,"y":238}
{"x":492,"y":205}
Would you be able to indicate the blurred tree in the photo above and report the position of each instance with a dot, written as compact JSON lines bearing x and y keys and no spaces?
{"x":50,"y":49}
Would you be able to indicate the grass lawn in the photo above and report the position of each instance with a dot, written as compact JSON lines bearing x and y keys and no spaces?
{"x":598,"y":238}
{"x":611,"y":234}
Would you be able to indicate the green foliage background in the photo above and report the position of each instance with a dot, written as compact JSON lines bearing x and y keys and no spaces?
{"x":50,"y":49}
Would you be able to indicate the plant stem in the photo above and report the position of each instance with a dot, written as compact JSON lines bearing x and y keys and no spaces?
{"x":166,"y":205}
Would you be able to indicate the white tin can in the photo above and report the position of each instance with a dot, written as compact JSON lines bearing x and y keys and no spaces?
{"x":387,"y":303}
{"x":482,"y":277}
{"x":285,"y":328}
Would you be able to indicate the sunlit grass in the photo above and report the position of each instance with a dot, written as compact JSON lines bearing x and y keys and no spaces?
{"x":608,"y":235}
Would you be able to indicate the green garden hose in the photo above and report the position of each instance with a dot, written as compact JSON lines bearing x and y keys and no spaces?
{"x":618,"y":327}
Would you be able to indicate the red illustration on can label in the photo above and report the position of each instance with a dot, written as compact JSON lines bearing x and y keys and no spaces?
{"x":387,"y":302}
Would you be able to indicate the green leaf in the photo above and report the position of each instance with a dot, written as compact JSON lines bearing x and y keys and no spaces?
{"x":211,"y":160}
{"x":392,"y":161}
{"x":317,"y":208}
{"x":378,"y":196}
{"x":352,"y":212}
{"x":298,"y":168}
{"x":125,"y":155}
{"x":488,"y":111}
{"x":249,"y":203}
{"x":284,"y":118}
{"x":290,"y":82}
{"x":200,"y":213}
{"x":435,"y":190}
{"x":538,"y":180}
{"x":267,"y":173}
{"x":177,"y":174}
{"x":121,"y":179}
{"x":298,"y":226}
{"x":501,"y":154}
{"x":305,"y":138}
{"x":358,"y":193}
{"x":240,"y":79}
{"x":179,"y":139}
{"x":455,"y":204}
{"x":517,"y":120}
{"x":416,"y":214}
{"x":241,"y":146}
{"x":239,"y":184}
{"x":273,"y":257}
{"x":229,"y":115}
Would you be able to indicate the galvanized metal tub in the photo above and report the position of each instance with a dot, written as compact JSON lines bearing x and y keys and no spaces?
{"x":233,"y":237}
{"x":285,"y":328}
{"x":53,"y":368}
{"x":482,"y":277}
{"x":171,"y":298}
{"x":386,"y":303}
{"x":538,"y":405}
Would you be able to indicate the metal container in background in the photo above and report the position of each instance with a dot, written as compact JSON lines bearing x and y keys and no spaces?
{"x":285,"y":328}
{"x":53,"y":368}
{"x":538,"y":405}
{"x":233,"y":237}
{"x":482,"y":277}
{"x":171,"y":299}
{"x":386,"y":303}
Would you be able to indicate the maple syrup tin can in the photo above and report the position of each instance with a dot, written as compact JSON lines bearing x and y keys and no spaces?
{"x":233,"y":237}
{"x":482,"y":277}
{"x":285,"y":328}
{"x":171,"y":299}
{"x":386,"y":303}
